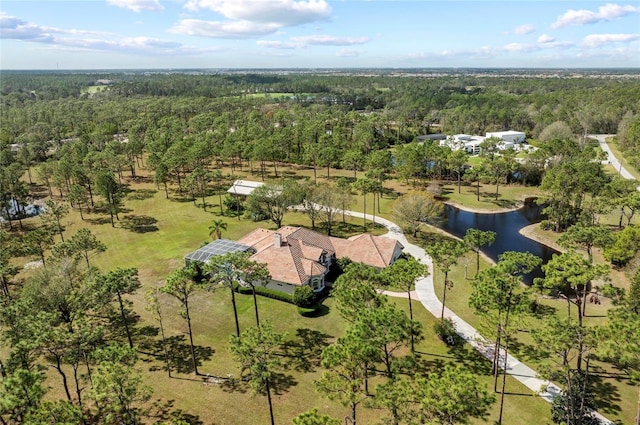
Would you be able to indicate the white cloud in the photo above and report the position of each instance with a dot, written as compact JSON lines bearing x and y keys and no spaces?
{"x":217,"y":29}
{"x":522,"y":29}
{"x":12,"y":27}
{"x":302,"y":42}
{"x":620,"y":54}
{"x":348,"y":53}
{"x":597,"y":40}
{"x":608,"y":12}
{"x":520,"y":47}
{"x":280,"y":12}
{"x":327,"y":40}
{"x":484,"y":52}
{"x":284,"y":45}
{"x":544,"y":38}
{"x":491,"y":52}
{"x":138,"y":5}
{"x":545,"y":43}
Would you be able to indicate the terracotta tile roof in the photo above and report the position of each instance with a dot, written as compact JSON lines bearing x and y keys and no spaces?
{"x":297,"y":258}
{"x":292,"y":262}
{"x":281,"y":263}
{"x":367,"y":249}
{"x":258,"y":239}
{"x":315,"y":239}
{"x":306,"y":267}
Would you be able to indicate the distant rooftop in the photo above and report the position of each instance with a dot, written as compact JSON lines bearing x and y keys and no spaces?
{"x":244,"y":187}
{"x":437,"y":136}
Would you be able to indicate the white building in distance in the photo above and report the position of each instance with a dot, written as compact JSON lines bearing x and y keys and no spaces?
{"x":509,"y":136}
{"x":471,"y":144}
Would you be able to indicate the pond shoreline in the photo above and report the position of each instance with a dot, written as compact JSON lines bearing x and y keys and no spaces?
{"x":527,"y":231}
{"x":496,"y":210}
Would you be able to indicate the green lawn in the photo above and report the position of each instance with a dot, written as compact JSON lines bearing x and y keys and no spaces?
{"x":617,"y":397}
{"x":510,"y":196}
{"x":154,"y":234}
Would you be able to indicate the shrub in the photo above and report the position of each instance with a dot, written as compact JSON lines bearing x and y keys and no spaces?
{"x":446,"y":330}
{"x":231,"y":203}
{"x":303,"y":296}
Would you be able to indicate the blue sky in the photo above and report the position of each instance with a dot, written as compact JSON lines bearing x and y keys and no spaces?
{"x":117,"y":34}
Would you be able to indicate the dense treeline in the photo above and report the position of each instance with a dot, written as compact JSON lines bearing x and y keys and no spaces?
{"x":458,"y":103}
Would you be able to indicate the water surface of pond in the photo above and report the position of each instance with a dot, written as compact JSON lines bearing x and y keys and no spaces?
{"x":506,"y":225}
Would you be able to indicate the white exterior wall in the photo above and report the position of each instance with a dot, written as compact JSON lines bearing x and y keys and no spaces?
{"x":509,"y":136}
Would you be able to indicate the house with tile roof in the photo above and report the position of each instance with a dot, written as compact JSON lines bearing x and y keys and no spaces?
{"x":296,"y":256}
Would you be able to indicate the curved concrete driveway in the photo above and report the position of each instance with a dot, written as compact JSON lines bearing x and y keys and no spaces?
{"x":613,"y":160}
{"x":427,"y":296}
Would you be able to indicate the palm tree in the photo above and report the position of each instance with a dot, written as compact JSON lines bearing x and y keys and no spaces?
{"x":216,"y":227}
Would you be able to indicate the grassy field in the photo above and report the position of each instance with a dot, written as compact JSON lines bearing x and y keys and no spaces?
{"x":510,"y":196}
{"x":616,"y":396}
{"x":91,"y":90}
{"x":155,"y":233}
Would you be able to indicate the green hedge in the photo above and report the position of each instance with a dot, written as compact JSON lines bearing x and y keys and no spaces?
{"x":265,"y":292}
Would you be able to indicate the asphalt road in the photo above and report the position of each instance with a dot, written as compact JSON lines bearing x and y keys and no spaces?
{"x":615,"y":162}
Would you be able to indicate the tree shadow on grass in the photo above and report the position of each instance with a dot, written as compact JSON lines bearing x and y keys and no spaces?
{"x":447,"y":190}
{"x":303,"y":352}
{"x":98,"y":220}
{"x":427,"y":364}
{"x":540,"y":311}
{"x":471,"y":359}
{"x":505,"y":203}
{"x":139,"y":179}
{"x":428,"y":238}
{"x":281,"y":382}
{"x":502,"y":203}
{"x":292,"y":175}
{"x":145,"y":339}
{"x":323,"y":310}
{"x":180,"y":354}
{"x":142,"y":194}
{"x":163,"y":412}
{"x":139,"y":223}
{"x":517,"y":348}
{"x":181,"y":197}
{"x":607,"y":395}
{"x":234,"y":385}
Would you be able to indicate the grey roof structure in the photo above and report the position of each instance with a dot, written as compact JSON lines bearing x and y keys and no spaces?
{"x":424,"y":137}
{"x":217,"y":247}
{"x":244,"y":187}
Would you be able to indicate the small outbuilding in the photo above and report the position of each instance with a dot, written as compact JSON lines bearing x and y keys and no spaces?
{"x":244,"y":188}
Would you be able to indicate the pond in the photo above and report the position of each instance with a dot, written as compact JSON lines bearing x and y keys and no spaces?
{"x":506,"y":226}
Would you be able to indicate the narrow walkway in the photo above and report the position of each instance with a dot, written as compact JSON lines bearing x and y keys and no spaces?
{"x":427,"y":296}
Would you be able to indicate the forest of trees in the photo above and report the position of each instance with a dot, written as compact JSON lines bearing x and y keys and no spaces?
{"x":82,"y":146}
